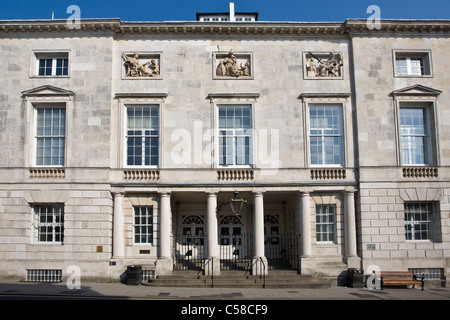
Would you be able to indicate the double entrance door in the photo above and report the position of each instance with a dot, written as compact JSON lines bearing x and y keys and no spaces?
{"x":235,"y":246}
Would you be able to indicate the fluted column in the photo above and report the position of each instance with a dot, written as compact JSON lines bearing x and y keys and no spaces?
{"x":118,"y":227}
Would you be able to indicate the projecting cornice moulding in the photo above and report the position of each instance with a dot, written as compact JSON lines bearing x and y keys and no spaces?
{"x":116,"y":26}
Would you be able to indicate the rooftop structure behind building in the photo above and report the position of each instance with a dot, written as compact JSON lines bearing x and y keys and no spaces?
{"x":230,"y":16}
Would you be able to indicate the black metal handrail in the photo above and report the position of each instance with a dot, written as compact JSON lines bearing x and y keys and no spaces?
{"x":264,"y":272}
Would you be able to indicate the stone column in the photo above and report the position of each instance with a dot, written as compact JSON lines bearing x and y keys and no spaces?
{"x":118,"y":227}
{"x":212,"y":265}
{"x":350,"y":230}
{"x":259,"y":259}
{"x":306,"y":261}
{"x":305,"y":218}
{"x":164,"y":263}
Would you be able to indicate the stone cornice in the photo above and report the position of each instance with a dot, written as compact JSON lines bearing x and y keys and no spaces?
{"x":226,"y":28}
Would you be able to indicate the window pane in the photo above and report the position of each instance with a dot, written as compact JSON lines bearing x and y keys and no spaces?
{"x":325,"y":222}
{"x":143,"y":225}
{"x":142,"y":135}
{"x":50,"y":136}
{"x":62,"y":67}
{"x":414,"y":135}
{"x":45,"y":67}
{"x":234,"y":135}
{"x":418,"y":218}
{"x":49,"y":222}
{"x":326,"y":135}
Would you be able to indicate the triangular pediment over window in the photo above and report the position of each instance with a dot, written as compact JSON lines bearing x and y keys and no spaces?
{"x":47,"y":90}
{"x":416,"y":90}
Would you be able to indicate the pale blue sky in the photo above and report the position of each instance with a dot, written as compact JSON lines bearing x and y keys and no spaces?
{"x":185,"y":10}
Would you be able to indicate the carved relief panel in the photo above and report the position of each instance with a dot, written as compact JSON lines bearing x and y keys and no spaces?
{"x":322,"y":65}
{"x":230,"y":65}
{"x":141,"y":65}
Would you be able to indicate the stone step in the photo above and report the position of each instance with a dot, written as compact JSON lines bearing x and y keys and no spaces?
{"x":238,"y":279}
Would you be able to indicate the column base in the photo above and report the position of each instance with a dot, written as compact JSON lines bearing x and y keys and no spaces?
{"x":164,"y":266}
{"x":307,"y":265}
{"x":353,"y":262}
{"x":212,"y":267}
{"x":259,"y":267}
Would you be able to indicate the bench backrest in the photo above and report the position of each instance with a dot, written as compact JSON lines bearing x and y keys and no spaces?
{"x":398,"y":274}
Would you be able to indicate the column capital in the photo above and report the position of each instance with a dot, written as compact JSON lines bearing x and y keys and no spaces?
{"x":118,"y":193}
{"x":164,"y":194}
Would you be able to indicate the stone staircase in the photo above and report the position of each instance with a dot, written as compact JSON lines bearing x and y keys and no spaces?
{"x":238,"y":279}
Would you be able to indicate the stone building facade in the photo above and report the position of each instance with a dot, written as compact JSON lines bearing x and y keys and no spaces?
{"x":125,"y":142}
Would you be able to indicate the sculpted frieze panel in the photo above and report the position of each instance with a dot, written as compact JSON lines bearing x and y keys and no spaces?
{"x":141,"y":65}
{"x":230,"y":65}
{"x":323,"y":65}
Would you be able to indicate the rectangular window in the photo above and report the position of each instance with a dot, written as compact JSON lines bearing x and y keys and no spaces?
{"x":50,"y":136}
{"x":415,"y":135}
{"x":235,"y":138}
{"x":415,"y":64}
{"x":143,"y":225}
{"x":419,"y":218}
{"x":142,"y":135}
{"x":326,"y":135}
{"x":49,"y":223}
{"x":325,"y":223}
{"x":52,"y":63}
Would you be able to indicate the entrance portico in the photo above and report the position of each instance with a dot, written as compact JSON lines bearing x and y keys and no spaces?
{"x":275,"y":229}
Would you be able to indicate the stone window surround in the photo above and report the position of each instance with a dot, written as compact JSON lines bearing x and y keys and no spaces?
{"x":48,"y":53}
{"x":44,"y":96}
{"x":429,"y":100}
{"x":425,"y":54}
{"x":328,"y":98}
{"x":129,"y":203}
{"x":330,"y":198}
{"x":221,"y":99}
{"x":127,"y":99}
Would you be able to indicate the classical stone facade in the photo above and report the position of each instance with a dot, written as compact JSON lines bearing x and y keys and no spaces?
{"x":124,"y":143}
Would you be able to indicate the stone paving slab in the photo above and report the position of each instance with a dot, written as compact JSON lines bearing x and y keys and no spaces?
{"x":95,"y":290}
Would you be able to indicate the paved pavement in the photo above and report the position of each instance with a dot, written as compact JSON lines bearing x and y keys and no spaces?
{"x":114,"y":299}
{"x":10,"y":289}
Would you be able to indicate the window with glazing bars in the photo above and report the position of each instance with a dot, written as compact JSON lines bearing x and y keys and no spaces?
{"x":235,"y":136}
{"x":325,"y":223}
{"x":53,"y":67}
{"x":49,"y":222}
{"x":418,"y":220}
{"x":326,"y":135}
{"x":415,"y":136}
{"x":142,"y":135}
{"x":143,"y":225}
{"x":50,"y":136}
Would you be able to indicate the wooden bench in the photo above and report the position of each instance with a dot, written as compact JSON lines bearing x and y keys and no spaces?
{"x":400,"y":278}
